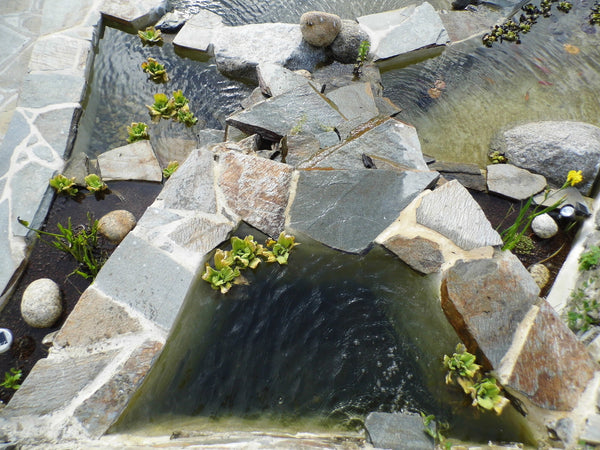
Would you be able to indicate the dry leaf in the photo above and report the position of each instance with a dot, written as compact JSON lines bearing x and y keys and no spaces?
{"x":571,"y":49}
{"x":434,"y":92}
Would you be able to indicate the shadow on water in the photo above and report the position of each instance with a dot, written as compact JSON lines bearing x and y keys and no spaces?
{"x":312,"y":346}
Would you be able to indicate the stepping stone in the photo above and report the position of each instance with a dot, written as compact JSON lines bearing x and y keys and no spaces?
{"x":513,"y":182}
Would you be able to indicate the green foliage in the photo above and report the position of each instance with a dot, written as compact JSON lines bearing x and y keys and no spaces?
{"x":245,"y":253}
{"x":498,"y":158}
{"x":590,"y":258}
{"x":485,"y":392}
{"x":94,"y":183}
{"x":137,"y":131}
{"x":583,"y":311}
{"x":81,"y":245}
{"x":163,"y":107}
{"x":297,"y":129}
{"x":179,"y":99}
{"x":185,"y":116}
{"x":156,"y":70}
{"x":64,"y":185}
{"x":435,"y":429}
{"x":363,"y":53}
{"x":12,"y":378}
{"x":150,"y":36}
{"x":524,"y":246}
{"x":170,"y":169}
{"x":594,"y":17}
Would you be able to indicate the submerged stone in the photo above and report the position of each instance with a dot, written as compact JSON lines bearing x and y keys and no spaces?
{"x":397,"y":431}
{"x":346,"y":209}
{"x":131,"y":162}
{"x":450,"y":210}
{"x":469,"y":175}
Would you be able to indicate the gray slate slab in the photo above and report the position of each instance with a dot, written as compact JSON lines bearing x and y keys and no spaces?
{"x":43,"y":89}
{"x":469,"y":175}
{"x":135,"y":161}
{"x":391,"y":145}
{"x":355,"y":101}
{"x":404,"y":32}
{"x":513,"y":182}
{"x":275,"y":79}
{"x":591,"y":433}
{"x":397,"y":431}
{"x":303,"y":109}
{"x":450,"y":210}
{"x":135,"y":13}
{"x":347,"y":209}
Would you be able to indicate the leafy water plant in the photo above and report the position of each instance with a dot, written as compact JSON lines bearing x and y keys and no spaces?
{"x":513,"y":234}
{"x":524,"y":246}
{"x":64,"y":185}
{"x":498,"y":157}
{"x":150,"y":36}
{"x":179,"y":100}
{"x":435,"y":429}
{"x":163,"y":107}
{"x":170,"y":169}
{"x":246,"y":251}
{"x":363,"y":53}
{"x":94,"y":183}
{"x":484,"y":392}
{"x":280,"y":249}
{"x":590,"y":259}
{"x":81,"y":245}
{"x":137,"y":132}
{"x":12,"y":378}
{"x":224,"y":273}
{"x":155,"y":70}
{"x":185,"y":116}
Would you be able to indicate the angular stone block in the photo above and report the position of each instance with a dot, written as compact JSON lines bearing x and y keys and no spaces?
{"x":398,"y":431}
{"x":134,"y":13}
{"x":256,"y":189}
{"x":591,"y":434}
{"x":200,"y":234}
{"x":469,"y":175}
{"x":146,"y":279}
{"x":54,"y":382}
{"x":104,"y":407}
{"x":419,"y":253}
{"x":355,"y":101}
{"x":59,"y":53}
{"x":192,"y":186}
{"x":94,"y":319}
{"x":450,"y":210}
{"x":552,"y":368}
{"x":58,"y":128}
{"x":274,"y":79}
{"x":513,"y":182}
{"x":485,"y":300}
{"x":135,"y":161}
{"x":392,"y":145}
{"x":43,"y":89}
{"x":197,"y":33}
{"x":347,"y":210}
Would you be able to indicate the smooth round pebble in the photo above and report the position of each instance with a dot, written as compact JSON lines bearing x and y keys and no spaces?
{"x":544,"y":226}
{"x":320,"y":28}
{"x":116,"y":224}
{"x":540,"y":274}
{"x":41,"y":305}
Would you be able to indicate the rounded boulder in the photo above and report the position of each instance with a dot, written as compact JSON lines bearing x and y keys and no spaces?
{"x":320,"y":28}
{"x":544,"y":226}
{"x":41,"y":305}
{"x":116,"y":224}
{"x":345,"y":46}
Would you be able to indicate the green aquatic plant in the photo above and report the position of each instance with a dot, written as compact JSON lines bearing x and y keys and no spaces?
{"x":155,"y":70}
{"x":363,"y":53}
{"x":524,"y":246}
{"x":170,"y":169}
{"x":179,"y":100}
{"x":484,"y":392}
{"x":280,"y":249}
{"x":81,"y":245}
{"x":224,"y":274}
{"x":137,"y":132}
{"x":590,"y":259}
{"x":163,"y":107}
{"x":150,"y":36}
{"x":246,"y":252}
{"x":498,"y":157}
{"x":12,"y":378}
{"x":94,"y":183}
{"x":185,"y":116}
{"x":64,"y":185}
{"x":435,"y":429}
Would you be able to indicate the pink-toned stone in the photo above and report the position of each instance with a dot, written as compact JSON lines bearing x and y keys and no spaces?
{"x":96,"y":317}
{"x":257,"y":189}
{"x":485,"y":300}
{"x":105,"y":406}
{"x":419,"y":253}
{"x":553,"y":367}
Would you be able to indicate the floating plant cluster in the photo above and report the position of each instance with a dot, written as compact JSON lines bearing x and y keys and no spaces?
{"x":511,"y":30}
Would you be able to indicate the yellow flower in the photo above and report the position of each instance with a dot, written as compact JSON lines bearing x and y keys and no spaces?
{"x":574,"y":177}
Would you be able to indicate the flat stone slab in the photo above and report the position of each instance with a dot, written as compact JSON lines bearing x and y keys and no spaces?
{"x":347,"y":210}
{"x":591,"y":434}
{"x":469,"y":175}
{"x":485,"y":300}
{"x":275,"y":80}
{"x":135,"y":161}
{"x":256,"y":189}
{"x":419,"y":253}
{"x":552,"y":368}
{"x":392,"y":145}
{"x":397,"y":431}
{"x":303,"y":110}
{"x":513,"y":182}
{"x":355,"y":101}
{"x":450,"y":210}
{"x":404,"y":33}
{"x":136,"y":14}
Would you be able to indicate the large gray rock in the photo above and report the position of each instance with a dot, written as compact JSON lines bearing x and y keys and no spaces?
{"x":320,"y":28}
{"x":355,"y":101}
{"x":513,"y":182}
{"x":391,"y":145}
{"x":398,"y":431}
{"x":347,"y":209}
{"x":135,"y":161}
{"x":450,"y":210}
{"x":346,"y":44}
{"x":134,"y":13}
{"x":41,"y":305}
{"x":405,"y":34}
{"x":485,"y":300}
{"x":274,"y":79}
{"x":553,"y":149}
